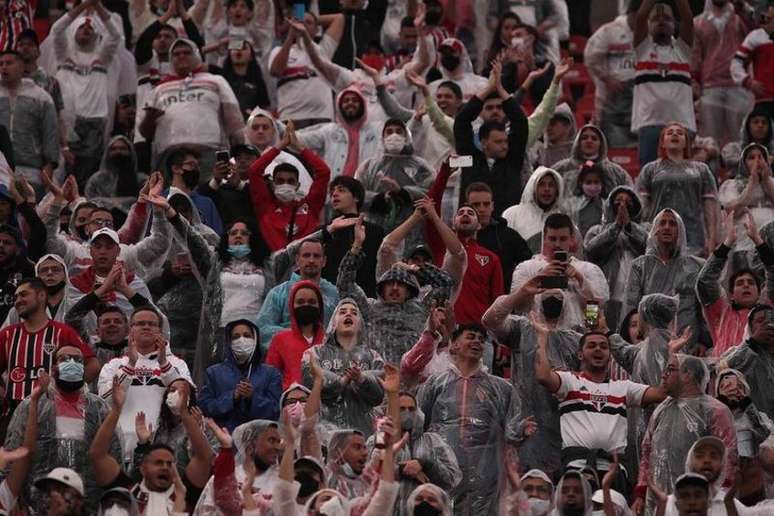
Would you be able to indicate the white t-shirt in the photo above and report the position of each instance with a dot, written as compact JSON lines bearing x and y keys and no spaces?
{"x":192,"y":110}
{"x":662,"y":85}
{"x":593,"y":415}
{"x":7,"y":499}
{"x":301,"y":92}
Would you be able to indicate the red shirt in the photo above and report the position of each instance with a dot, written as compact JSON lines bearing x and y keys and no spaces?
{"x":482,"y":283}
{"x":22,"y":354}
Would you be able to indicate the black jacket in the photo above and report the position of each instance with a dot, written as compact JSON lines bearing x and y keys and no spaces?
{"x":338,"y":244}
{"x":505,"y":243}
{"x":505,"y":176}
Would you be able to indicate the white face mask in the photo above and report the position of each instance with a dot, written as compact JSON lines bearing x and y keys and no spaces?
{"x":116,"y":510}
{"x":394,"y":143}
{"x":243,"y":348}
{"x":539,"y":507}
{"x":285,"y":193}
{"x":173,"y":402}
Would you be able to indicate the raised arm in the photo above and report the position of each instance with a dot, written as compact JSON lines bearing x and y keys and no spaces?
{"x":543,"y":372}
{"x":496,"y":318}
{"x":708,"y":288}
{"x":641,"y":22}
{"x":686,"y":21}
{"x":198,"y":469}
{"x":106,"y":468}
{"x":325,"y":66}
{"x":109,"y":45}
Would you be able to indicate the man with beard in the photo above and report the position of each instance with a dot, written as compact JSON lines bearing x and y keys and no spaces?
{"x":29,"y":346}
{"x":348,"y":141}
{"x":183,"y":167}
{"x":52,"y":270}
{"x":13,"y":266}
{"x":69,"y":416}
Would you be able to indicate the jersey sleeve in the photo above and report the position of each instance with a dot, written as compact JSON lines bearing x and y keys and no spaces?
{"x":634,"y":393}
{"x":568,"y":382}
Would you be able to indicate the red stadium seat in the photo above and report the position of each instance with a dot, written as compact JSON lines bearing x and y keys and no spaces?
{"x":629,"y":159}
{"x":577,"y":46}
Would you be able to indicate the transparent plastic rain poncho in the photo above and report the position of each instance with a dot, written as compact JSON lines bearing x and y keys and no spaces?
{"x":340,"y":474}
{"x":614,"y":249}
{"x":408,"y":506}
{"x":676,"y":276}
{"x":225,"y":501}
{"x":351,"y":405}
{"x":753,"y":426}
{"x":559,"y":499}
{"x":677,"y":423}
{"x":55,"y":451}
{"x":543,"y":449}
{"x":438,"y":460}
{"x":471,"y":414}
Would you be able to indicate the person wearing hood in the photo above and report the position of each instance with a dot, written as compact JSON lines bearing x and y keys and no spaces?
{"x":685,"y":416}
{"x":470,"y":409}
{"x":615,"y":243}
{"x":558,"y":139}
{"x":18,"y":209}
{"x":667,"y":268}
{"x":85,"y":48}
{"x":28,"y":112}
{"x":283,"y":214}
{"x":755,"y":358}
{"x":241,"y":388}
{"x":68,"y":420}
{"x":717,"y":34}
{"x":191,"y":107}
{"x":428,"y":500}
{"x":541,"y":197}
{"x":351,"y":387}
{"x":688,"y":187}
{"x":535,"y":488}
{"x":572,"y":496}
{"x":183,"y":166}
{"x":757,"y":127}
{"x":456,"y":66}
{"x":750,"y":191}
{"x":306,"y":330}
{"x":233,"y":475}
{"x":350,"y":139}
{"x":499,"y":161}
{"x":585,"y":282}
{"x":118,"y":502}
{"x":52,"y":270}
{"x":726,"y":315}
{"x":117,"y":175}
{"x":585,"y":204}
{"x":591,"y":145}
{"x":14,"y":265}
{"x":394,"y":320}
{"x":394,"y":178}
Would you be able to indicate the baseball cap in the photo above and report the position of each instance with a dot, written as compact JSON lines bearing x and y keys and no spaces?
{"x":691,"y":479}
{"x":616,"y":497}
{"x":453,"y":44}
{"x":244,"y":147}
{"x":111,"y":234}
{"x":64,"y":476}
{"x":713,"y":441}
{"x":420,"y":249}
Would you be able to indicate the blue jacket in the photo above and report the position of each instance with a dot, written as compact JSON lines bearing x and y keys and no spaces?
{"x":275,"y":314}
{"x":217,"y":395}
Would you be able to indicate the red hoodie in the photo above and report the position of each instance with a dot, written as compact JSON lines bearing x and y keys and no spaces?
{"x":287,"y":347}
{"x":275,"y":219}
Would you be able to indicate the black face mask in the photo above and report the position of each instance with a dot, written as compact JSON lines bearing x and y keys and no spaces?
{"x":55,"y":289}
{"x":309,"y":484}
{"x":81,"y":231}
{"x":68,"y":386}
{"x":119,"y":160}
{"x":191,"y":177}
{"x":552,"y":307}
{"x":425,"y":509}
{"x":450,"y":62}
{"x":306,"y":314}
{"x":64,"y":227}
{"x":260,"y":465}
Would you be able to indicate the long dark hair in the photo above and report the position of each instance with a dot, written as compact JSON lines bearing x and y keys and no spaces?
{"x":259,"y":251}
{"x":497,"y":42}
{"x":624,"y":328}
{"x":253,"y":75}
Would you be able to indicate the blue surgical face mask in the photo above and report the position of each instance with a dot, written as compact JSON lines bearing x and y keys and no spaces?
{"x":71,"y":371}
{"x":239,"y":251}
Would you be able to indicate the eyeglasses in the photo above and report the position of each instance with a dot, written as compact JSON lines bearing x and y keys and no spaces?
{"x":53,"y":270}
{"x":287,"y":402}
{"x":103,"y":223}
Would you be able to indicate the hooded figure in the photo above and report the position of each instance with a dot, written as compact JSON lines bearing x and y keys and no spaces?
{"x":337,"y":505}
{"x":732,"y":151}
{"x":456,"y":66}
{"x":223,"y":493}
{"x":397,"y":161}
{"x":575,"y":500}
{"x":118,"y":499}
{"x":287,"y":347}
{"x":347,"y":404}
{"x":753,"y":427}
{"x":685,"y":416}
{"x":345,"y":143}
{"x":613,"y":174}
{"x":547,"y":154}
{"x":439,"y":463}
{"x":613,"y":247}
{"x":341,"y":474}
{"x":652,"y":273}
{"x":393,"y":328}
{"x":585,"y":203}
{"x":241,"y":363}
{"x":117,"y":175}
{"x":64,"y":305}
{"x":471,"y":414}
{"x":746,"y":195}
{"x":527,"y":217}
{"x":409,"y":509}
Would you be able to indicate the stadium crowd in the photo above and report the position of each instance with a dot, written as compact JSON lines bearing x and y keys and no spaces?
{"x":387,"y":257}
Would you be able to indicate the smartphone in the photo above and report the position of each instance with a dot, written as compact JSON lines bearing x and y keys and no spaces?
{"x":560,"y":256}
{"x":223,"y":156}
{"x":553,"y":282}
{"x":299,"y":11}
{"x":461,"y":161}
{"x":591,"y":316}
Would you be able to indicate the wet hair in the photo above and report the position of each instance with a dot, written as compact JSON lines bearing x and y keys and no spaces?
{"x":558,"y":221}
{"x":586,"y":336}
{"x":158,"y":446}
{"x":462,"y":328}
{"x":285,"y":167}
{"x":742,"y":272}
{"x":34,"y":283}
{"x":488,"y":127}
{"x":178,"y":156}
{"x":147,"y":308}
{"x":108,"y":309}
{"x":623,"y":331}
{"x":354,"y":186}
{"x":453,"y":86}
{"x":477,"y":186}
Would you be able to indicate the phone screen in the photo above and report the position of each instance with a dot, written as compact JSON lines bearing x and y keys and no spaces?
{"x":299,"y":11}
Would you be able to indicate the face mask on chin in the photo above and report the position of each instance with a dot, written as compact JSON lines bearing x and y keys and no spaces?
{"x":539,"y":506}
{"x":56,"y":288}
